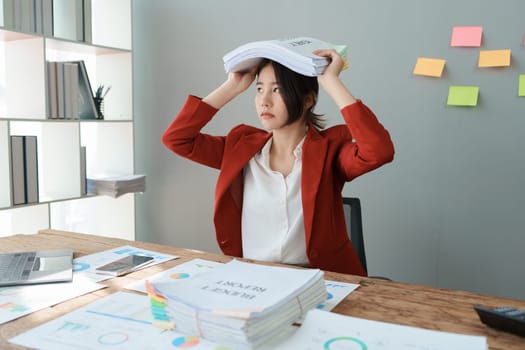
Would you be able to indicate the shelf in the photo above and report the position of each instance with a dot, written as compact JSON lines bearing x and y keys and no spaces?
{"x":58,"y":157}
{"x":108,"y":67}
{"x":24,"y":109}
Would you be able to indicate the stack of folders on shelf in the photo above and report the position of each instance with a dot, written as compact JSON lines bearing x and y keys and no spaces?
{"x":296,"y":54}
{"x":69,"y":91}
{"x":243,"y":305}
{"x":72,"y":19}
{"x":24,"y":169}
{"x":116,"y":186}
{"x":30,"y":16}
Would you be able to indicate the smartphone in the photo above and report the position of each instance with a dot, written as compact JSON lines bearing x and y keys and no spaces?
{"x":124,"y":265}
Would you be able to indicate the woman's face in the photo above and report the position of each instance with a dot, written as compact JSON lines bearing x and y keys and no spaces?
{"x":269,"y":101}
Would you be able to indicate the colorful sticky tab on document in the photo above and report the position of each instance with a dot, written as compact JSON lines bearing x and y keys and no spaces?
{"x":432,"y":67}
{"x":521,"y":85}
{"x":158,"y":305}
{"x":494,"y":58}
{"x":463,"y":96}
{"x":466,"y":36}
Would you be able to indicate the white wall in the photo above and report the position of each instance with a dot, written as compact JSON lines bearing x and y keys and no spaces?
{"x":447,"y":212}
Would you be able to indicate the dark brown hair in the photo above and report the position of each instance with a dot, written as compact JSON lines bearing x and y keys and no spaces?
{"x":295,"y":88}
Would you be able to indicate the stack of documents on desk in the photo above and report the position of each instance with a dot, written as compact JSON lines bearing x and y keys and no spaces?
{"x":117,"y":185}
{"x":243,"y":305}
{"x":296,"y":54}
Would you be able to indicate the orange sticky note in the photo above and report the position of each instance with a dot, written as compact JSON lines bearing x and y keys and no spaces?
{"x":494,"y":58}
{"x":469,"y":36}
{"x":432,"y":67}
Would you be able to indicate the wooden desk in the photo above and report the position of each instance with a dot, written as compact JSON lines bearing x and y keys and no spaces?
{"x":375,"y":299}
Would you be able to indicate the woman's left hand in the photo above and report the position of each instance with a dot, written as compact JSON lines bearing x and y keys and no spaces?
{"x":336,"y":62}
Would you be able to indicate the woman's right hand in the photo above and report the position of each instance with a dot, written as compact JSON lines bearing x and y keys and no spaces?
{"x":236,"y":83}
{"x":241,"y":81}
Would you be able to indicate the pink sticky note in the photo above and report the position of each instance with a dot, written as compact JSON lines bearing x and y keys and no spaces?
{"x":466,"y":36}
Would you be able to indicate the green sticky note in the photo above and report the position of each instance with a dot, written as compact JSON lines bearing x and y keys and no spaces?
{"x":521,"y":85}
{"x":463,"y":96}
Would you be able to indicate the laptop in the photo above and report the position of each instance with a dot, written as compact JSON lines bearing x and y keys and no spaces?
{"x":31,"y":267}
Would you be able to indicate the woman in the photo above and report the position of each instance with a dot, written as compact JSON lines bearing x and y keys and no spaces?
{"x":278,"y":194}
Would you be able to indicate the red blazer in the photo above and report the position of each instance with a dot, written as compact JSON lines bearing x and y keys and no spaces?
{"x":330,"y":158}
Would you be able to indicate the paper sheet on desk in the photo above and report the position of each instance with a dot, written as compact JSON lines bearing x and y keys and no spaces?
{"x":19,"y":301}
{"x":88,"y":263}
{"x":326,"y":330}
{"x":119,"y":321}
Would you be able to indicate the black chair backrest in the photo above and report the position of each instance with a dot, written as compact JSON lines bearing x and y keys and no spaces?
{"x":354,"y":226}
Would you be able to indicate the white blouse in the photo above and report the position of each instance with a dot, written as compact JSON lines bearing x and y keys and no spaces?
{"x":272,"y":212}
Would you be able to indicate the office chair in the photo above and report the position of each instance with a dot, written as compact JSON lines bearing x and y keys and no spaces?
{"x":354,"y":227}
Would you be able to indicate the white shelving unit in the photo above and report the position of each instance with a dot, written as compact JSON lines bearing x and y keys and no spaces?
{"x":108,"y":142}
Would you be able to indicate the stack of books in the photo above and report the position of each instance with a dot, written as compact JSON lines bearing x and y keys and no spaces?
{"x":116,"y":186}
{"x":242,"y":305}
{"x":296,"y":54}
{"x":69,"y":91}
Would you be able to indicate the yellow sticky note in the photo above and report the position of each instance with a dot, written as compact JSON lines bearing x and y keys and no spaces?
{"x":463,"y":96}
{"x":521,"y":85}
{"x":432,"y":67}
{"x":494,"y":58}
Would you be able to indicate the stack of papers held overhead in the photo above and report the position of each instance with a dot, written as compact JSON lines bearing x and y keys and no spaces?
{"x":116,"y":186}
{"x":296,"y":54}
{"x":243,"y":305}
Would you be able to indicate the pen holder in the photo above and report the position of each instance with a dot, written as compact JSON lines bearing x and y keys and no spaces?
{"x":99,"y":105}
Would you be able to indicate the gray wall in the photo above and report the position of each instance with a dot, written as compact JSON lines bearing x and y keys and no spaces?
{"x":447,"y":212}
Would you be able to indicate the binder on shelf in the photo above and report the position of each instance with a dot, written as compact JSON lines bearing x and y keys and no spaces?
{"x":24,"y":169}
{"x":71,"y":90}
{"x":83,"y":172}
{"x":9,"y":14}
{"x":30,"y":16}
{"x":52,"y":90}
{"x":88,"y":36}
{"x":31,"y":168}
{"x":38,"y":16}
{"x":87,"y":108}
{"x":18,"y":186}
{"x":61,"y":91}
{"x":47,"y":17}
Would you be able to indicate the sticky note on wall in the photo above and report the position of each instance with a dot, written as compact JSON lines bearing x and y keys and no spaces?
{"x":463,"y":96}
{"x":494,"y":58}
{"x":521,"y":85}
{"x":466,"y":36}
{"x":432,"y":67}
